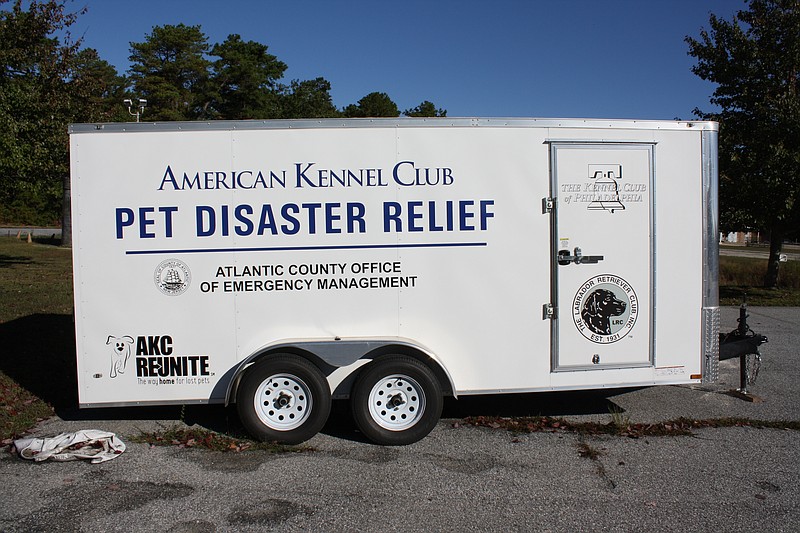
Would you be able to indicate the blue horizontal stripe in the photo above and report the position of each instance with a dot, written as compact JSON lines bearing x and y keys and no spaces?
{"x":306,"y":248}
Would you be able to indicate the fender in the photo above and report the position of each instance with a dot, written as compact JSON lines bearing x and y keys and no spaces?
{"x":334,"y":353}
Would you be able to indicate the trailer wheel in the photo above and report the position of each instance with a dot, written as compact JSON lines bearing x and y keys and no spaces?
{"x":284,"y":399}
{"x":396,"y":400}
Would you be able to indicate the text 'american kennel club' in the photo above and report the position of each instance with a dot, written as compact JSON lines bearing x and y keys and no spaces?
{"x":283,"y":264}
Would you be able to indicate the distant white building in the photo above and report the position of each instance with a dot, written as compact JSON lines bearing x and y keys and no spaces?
{"x":740,"y":237}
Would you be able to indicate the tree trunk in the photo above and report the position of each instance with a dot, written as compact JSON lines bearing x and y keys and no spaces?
{"x":66,"y":215}
{"x":775,"y":247}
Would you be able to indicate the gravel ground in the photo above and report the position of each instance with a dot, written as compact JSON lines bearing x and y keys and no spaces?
{"x":459,"y":478}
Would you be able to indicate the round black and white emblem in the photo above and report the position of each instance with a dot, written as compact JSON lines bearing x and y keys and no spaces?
{"x":172,"y":277}
{"x":605,"y":309}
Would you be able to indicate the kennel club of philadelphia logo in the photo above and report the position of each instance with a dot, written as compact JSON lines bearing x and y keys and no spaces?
{"x":172,"y":277}
{"x":605,"y":309}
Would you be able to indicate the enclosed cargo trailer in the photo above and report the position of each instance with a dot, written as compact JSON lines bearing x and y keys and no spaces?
{"x":280,"y":264}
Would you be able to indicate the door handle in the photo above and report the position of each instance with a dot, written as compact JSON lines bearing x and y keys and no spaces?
{"x":577,"y":257}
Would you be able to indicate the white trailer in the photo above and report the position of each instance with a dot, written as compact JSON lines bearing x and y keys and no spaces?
{"x":280,"y":264}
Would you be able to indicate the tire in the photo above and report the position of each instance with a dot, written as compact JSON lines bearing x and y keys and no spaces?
{"x":284,"y":399}
{"x":396,"y":400}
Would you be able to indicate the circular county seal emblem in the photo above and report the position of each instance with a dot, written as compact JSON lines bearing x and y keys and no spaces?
{"x":172,"y":277}
{"x":605,"y":309}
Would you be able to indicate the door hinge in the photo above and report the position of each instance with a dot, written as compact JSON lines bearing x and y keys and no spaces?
{"x":548,"y":311}
{"x":548,"y":204}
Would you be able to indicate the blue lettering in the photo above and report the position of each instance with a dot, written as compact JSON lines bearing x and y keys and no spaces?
{"x":187,"y":184}
{"x":414,"y":215}
{"x":168,"y":218}
{"x":355,"y":214}
{"x":246,"y":226}
{"x":224,"y":221}
{"x":206,"y":220}
{"x":124,"y":218}
{"x":168,"y":177}
{"x":312,"y":216}
{"x":432,"y":216}
{"x":336,"y":178}
{"x":450,"y":217}
{"x":465,"y":215}
{"x":485,"y":213}
{"x":396,"y":173}
{"x":330,"y":217}
{"x":238,"y":180}
{"x":260,"y":181}
{"x":447,"y":176}
{"x":144,"y":222}
{"x":287,"y":212}
{"x":267,"y":222}
{"x":301,"y":175}
{"x":273,"y":178}
{"x":374,"y":177}
{"x":391,"y":213}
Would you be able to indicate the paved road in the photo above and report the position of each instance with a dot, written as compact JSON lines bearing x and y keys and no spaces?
{"x":37,"y":232}
{"x":791,"y":251}
{"x":458,"y":478}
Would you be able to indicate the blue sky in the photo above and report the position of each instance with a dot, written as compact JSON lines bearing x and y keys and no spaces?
{"x":499,"y":58}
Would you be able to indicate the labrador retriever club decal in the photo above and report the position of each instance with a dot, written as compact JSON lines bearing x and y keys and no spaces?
{"x":605,"y":309}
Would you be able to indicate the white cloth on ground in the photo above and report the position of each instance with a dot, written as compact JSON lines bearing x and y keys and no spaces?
{"x":92,"y":444}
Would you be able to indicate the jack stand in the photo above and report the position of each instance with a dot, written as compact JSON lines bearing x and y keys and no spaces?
{"x":742,"y":394}
{"x":744,"y":343}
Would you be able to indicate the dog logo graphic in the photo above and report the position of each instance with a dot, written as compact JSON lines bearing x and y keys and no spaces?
{"x":605,"y":309}
{"x":120,"y":353}
{"x":598,"y":308}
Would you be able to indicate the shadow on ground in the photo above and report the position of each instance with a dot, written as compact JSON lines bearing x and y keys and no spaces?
{"x":39,"y":354}
{"x":553,"y":404}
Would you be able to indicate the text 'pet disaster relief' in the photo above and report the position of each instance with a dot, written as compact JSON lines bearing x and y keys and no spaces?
{"x":283,"y":264}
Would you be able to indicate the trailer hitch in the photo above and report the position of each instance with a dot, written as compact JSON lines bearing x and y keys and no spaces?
{"x":743,"y":343}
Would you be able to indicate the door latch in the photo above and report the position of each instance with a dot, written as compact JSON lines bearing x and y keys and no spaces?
{"x":577,"y":257}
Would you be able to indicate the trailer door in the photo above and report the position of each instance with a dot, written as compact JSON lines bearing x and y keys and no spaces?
{"x":602,"y":225}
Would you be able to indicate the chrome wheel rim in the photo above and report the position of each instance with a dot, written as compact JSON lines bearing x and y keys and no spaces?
{"x":396,"y":402}
{"x":283,"y":402}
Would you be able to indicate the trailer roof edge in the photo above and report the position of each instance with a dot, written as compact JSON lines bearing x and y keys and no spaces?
{"x":232,"y":125}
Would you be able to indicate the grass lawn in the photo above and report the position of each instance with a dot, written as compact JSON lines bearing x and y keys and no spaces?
{"x":37,"y":366}
{"x":740,"y":276}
